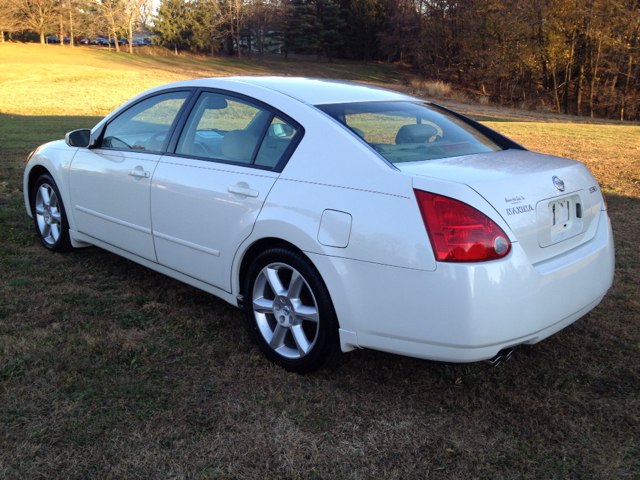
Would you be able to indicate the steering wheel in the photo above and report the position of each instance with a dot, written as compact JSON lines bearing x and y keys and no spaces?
{"x":154,"y":142}
{"x":202,"y":149}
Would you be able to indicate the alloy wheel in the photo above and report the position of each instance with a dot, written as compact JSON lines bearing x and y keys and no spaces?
{"x":285,"y":310}
{"x":48,"y":216}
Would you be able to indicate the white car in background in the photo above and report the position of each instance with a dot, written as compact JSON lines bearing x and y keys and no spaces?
{"x":338,"y":215}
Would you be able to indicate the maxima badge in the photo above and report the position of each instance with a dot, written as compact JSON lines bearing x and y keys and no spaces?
{"x":558,"y":183}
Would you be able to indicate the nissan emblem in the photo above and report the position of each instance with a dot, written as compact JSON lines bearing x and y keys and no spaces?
{"x":558,"y":183}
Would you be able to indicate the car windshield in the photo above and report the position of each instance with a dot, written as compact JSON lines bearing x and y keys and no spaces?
{"x":410,"y":131}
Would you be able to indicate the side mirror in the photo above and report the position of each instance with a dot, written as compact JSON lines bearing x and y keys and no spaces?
{"x":78,"y":138}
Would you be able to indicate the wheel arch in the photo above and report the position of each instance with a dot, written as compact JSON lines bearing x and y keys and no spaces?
{"x":35,"y":173}
{"x":255,"y":249}
{"x":54,"y":159}
{"x":330,"y":337}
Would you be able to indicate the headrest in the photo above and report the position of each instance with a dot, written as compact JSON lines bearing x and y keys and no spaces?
{"x":238,"y":145}
{"x":418,"y":133}
{"x":215,"y":102}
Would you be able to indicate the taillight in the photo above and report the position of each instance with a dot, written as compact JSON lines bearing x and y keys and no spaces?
{"x":460,"y":233}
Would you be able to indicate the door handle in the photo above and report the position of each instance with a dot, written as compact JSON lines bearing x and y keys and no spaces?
{"x":249,"y":192}
{"x":139,"y":173}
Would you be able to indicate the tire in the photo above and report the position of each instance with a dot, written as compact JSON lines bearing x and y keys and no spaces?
{"x":290,"y":313}
{"x":49,"y":215}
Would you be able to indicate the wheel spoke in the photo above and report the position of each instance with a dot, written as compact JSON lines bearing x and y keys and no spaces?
{"x":274,"y":281}
{"x":263,"y":305}
{"x":44,"y":193}
{"x":46,"y":231}
{"x":306,"y":312}
{"x":55,"y":231}
{"x":295,"y":286}
{"x":40,"y":209}
{"x":55,"y":214}
{"x":300,"y":338}
{"x":277,"y":340}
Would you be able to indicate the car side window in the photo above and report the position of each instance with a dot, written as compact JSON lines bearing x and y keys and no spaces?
{"x":222,"y":127}
{"x":145,"y":125}
{"x":275,"y":143}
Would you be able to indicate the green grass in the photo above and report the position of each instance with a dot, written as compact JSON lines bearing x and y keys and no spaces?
{"x":109,"y":370}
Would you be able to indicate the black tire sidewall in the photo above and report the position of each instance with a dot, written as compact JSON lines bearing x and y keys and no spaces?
{"x":63,"y":244}
{"x":326,"y":350}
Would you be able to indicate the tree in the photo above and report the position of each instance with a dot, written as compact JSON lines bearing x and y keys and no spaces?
{"x":38,"y":15}
{"x":173,"y":23}
{"x":133,"y":12}
{"x":112,"y":11}
{"x":332,"y":23}
{"x":9,"y":21}
{"x":365,"y":23}
{"x":206,"y":25}
{"x":303,"y":28}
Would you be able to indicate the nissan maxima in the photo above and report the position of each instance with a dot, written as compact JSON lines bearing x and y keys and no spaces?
{"x":337,"y":215}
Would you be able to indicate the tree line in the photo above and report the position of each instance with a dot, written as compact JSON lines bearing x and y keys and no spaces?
{"x":569,"y":56}
{"x":110,"y":19}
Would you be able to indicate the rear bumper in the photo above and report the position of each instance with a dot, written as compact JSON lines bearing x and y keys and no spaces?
{"x":467,"y":312}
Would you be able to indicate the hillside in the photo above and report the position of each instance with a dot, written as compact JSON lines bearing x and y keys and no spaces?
{"x":54,"y":80}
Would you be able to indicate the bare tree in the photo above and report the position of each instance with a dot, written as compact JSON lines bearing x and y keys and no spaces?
{"x":134,"y":11}
{"x":9,"y":21}
{"x":70,"y":24}
{"x":113,"y":13}
{"x":237,"y":13}
{"x":38,"y":15}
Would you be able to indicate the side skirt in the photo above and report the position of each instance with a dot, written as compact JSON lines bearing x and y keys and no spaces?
{"x":86,"y":239}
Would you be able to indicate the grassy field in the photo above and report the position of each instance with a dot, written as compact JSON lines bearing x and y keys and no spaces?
{"x":109,"y":370}
{"x":93,"y":81}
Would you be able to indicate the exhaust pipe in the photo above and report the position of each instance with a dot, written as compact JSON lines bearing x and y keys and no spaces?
{"x":501,"y":357}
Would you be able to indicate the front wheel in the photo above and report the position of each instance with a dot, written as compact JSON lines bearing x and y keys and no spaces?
{"x":49,"y":215}
{"x":290,"y":312}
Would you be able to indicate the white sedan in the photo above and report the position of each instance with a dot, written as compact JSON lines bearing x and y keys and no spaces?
{"x":338,"y":215}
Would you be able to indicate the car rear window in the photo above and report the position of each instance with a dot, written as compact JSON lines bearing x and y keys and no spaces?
{"x":410,"y":131}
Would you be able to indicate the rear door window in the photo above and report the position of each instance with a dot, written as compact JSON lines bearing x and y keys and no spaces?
{"x":229,"y":129}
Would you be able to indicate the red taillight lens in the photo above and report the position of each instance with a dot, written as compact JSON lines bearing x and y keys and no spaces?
{"x":460,"y":233}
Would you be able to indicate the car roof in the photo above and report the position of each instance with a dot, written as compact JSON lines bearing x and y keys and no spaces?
{"x":319,"y":91}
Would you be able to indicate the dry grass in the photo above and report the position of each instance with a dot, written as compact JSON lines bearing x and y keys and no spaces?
{"x":53,"y":80}
{"x":431,"y":88}
{"x":108,"y":370}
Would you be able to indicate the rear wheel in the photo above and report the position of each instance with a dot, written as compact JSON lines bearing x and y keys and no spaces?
{"x":290,"y":312}
{"x":49,"y":215}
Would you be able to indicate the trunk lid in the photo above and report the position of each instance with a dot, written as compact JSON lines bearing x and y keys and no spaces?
{"x":525,"y":188}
